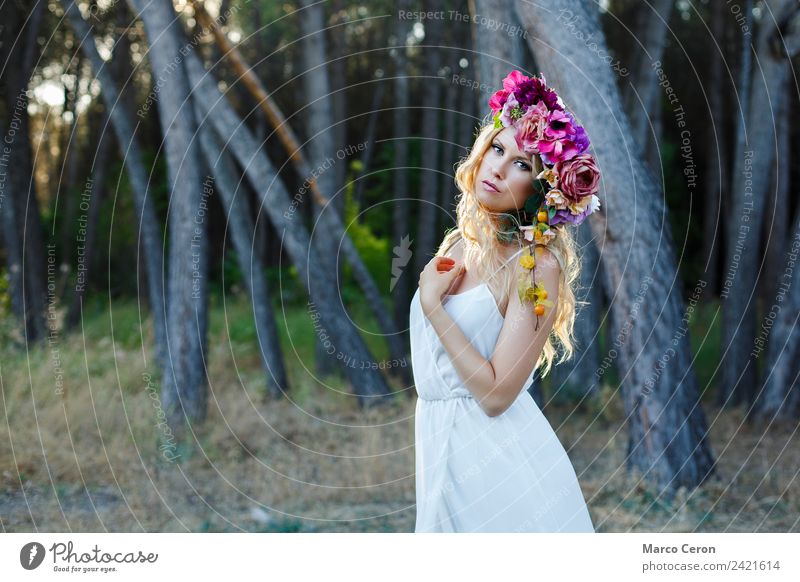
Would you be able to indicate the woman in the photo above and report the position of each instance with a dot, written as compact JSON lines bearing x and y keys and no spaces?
{"x":483,"y":322}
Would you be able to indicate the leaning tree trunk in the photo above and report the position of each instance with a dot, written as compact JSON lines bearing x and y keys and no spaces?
{"x":368,"y":384}
{"x":744,"y":257}
{"x":184,"y":392}
{"x":668,"y":439}
{"x":251,"y":263}
{"x":330,"y":222}
{"x":131,"y":154}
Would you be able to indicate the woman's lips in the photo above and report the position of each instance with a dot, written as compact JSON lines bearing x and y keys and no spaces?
{"x":491,"y":187}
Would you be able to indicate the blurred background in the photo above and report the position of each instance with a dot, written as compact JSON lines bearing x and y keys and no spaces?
{"x":214,"y":215}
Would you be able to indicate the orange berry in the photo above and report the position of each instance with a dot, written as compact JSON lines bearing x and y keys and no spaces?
{"x":542,"y":294}
{"x":542,"y":216}
{"x":537,"y":234}
{"x":539,"y":310}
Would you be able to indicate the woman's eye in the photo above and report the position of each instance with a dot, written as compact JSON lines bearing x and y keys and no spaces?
{"x":523,"y":165}
{"x":497,"y":148}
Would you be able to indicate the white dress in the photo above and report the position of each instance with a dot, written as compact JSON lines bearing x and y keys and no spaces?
{"x":476,"y":473}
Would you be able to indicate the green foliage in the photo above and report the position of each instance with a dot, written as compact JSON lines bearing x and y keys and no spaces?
{"x":5,"y":295}
{"x":374,"y":251}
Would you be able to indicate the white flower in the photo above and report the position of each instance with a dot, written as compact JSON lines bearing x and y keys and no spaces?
{"x":527,"y":231}
{"x":555,"y":197}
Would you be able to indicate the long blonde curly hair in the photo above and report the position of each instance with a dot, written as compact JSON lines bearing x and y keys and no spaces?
{"x":477,"y":227}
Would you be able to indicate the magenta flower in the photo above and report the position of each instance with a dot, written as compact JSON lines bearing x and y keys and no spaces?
{"x":498,"y":100}
{"x":512,"y":80}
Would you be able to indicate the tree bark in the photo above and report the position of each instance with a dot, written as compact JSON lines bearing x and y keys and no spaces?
{"x":18,"y":205}
{"x":320,"y":131}
{"x":642,"y":100}
{"x":427,"y":232}
{"x":578,"y":377}
{"x":96,"y":193}
{"x":184,"y":392}
{"x":251,"y":262}
{"x":330,"y":222}
{"x":668,"y":440}
{"x":402,"y":279}
{"x":779,"y":396}
{"x":368,"y":384}
{"x":744,"y":257}
{"x":718,"y":160}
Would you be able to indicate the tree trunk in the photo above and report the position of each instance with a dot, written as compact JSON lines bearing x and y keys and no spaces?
{"x":320,"y":132}
{"x":578,"y":377}
{"x":18,"y":205}
{"x":324,"y":306}
{"x":130,"y":151}
{"x":497,"y":51}
{"x":717,"y":160}
{"x":68,"y":199}
{"x":402,"y":270}
{"x":251,"y":262}
{"x":668,"y":440}
{"x":427,"y":233}
{"x":744,"y":257}
{"x":184,"y":392}
{"x":369,"y":151}
{"x":776,"y":216}
{"x":642,"y":99}
{"x":95,"y":191}
{"x":447,"y":186}
{"x":779,"y":397}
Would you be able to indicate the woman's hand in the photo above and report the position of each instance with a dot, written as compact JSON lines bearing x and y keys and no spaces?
{"x":434,"y":281}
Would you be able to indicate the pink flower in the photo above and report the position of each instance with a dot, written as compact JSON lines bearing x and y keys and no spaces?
{"x":512,"y":80}
{"x":506,"y":117}
{"x":559,"y":125}
{"x":498,"y":100}
{"x":578,"y":177}
{"x":530,"y":128}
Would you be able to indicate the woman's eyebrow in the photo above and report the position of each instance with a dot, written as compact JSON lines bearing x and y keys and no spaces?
{"x":519,"y":157}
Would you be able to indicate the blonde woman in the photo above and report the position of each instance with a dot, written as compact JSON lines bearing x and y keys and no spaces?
{"x":492,"y":306}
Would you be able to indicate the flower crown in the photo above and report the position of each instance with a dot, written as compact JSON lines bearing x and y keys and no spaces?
{"x":565,"y":192}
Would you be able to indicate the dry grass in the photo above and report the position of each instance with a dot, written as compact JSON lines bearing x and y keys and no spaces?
{"x":88,"y":460}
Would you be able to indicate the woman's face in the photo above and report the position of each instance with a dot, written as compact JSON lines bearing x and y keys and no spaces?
{"x":505,"y":177}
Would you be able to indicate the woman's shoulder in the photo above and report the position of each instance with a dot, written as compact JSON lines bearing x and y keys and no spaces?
{"x":546,"y":260}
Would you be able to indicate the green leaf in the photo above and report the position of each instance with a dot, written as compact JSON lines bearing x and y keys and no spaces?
{"x":541,"y":186}
{"x":551,"y":212}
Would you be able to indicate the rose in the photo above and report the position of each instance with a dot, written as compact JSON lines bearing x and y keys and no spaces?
{"x":530,"y":128}
{"x":578,"y":177}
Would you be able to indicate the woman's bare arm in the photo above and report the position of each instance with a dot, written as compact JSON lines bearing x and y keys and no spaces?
{"x":497,"y":382}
